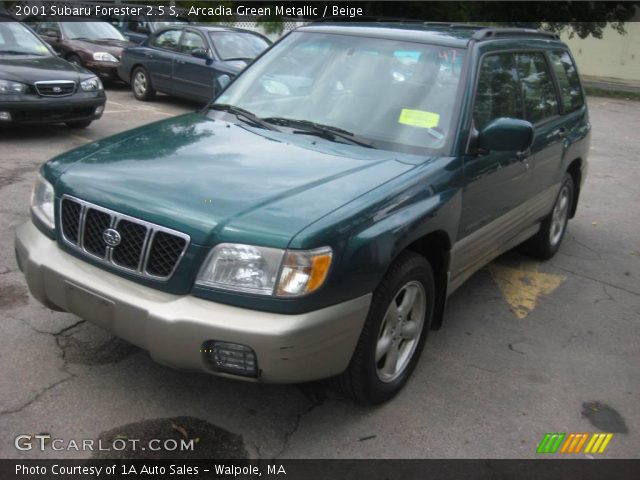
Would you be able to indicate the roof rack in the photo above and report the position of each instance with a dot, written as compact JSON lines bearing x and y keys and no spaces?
{"x":493,"y":33}
{"x":370,"y":18}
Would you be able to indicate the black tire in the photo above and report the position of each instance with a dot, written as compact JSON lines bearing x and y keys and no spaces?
{"x":79,"y":124}
{"x":141,"y":85}
{"x":75,"y":59}
{"x":361,"y":381}
{"x":547,"y":241}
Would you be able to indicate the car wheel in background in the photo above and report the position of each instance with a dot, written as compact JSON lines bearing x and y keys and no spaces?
{"x":141,"y":85}
{"x":394,"y":333}
{"x":79,"y":124}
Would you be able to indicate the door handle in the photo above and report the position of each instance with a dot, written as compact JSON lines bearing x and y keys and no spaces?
{"x":180,"y":62}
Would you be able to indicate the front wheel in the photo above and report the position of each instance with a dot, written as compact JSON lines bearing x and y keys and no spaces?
{"x":141,"y":85}
{"x":394,"y":333}
{"x":546,"y":242}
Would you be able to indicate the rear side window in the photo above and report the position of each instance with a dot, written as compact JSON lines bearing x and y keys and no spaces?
{"x":538,"y":92}
{"x":498,"y":93}
{"x":568,"y":80}
{"x":167,"y":39}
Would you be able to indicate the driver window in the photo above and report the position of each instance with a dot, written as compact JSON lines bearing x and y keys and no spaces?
{"x":191,"y":41}
{"x":497,"y":93}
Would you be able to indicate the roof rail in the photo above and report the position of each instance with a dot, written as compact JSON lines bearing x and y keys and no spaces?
{"x":493,"y":33}
{"x":370,"y":18}
{"x":467,"y":26}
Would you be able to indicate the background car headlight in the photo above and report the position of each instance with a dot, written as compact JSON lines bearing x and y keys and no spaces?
{"x":8,"y":87}
{"x":42,"y":201}
{"x":91,"y":85}
{"x":104,"y":57}
{"x":265,"y":271}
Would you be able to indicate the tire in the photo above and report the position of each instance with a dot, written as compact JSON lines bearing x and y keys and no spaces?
{"x":79,"y":124}
{"x":547,"y":241}
{"x":75,"y":59}
{"x":141,"y":85}
{"x":371,"y":380}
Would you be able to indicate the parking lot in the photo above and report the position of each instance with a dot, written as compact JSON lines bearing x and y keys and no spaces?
{"x":526,"y":348}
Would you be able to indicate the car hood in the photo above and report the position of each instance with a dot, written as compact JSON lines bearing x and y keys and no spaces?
{"x":218,"y":181}
{"x":114,"y":47}
{"x":30,"y":69}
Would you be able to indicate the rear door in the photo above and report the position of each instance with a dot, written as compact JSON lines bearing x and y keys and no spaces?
{"x":193,"y":76}
{"x":159,"y":56}
{"x":541,"y":108}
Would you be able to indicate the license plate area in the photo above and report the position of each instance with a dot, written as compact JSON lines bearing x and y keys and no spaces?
{"x":89,"y":305}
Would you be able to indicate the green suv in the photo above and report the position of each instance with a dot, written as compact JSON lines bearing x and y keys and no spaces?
{"x":312,"y":220}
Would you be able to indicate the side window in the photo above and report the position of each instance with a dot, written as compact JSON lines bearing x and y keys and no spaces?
{"x":568,"y":79}
{"x":497,"y":94}
{"x":168,"y":39}
{"x":538,"y":92}
{"x":191,"y":41}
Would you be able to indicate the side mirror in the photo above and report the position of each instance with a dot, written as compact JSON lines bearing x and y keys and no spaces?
{"x":222,"y":81}
{"x":54,"y":34}
{"x":200,"y":53}
{"x":506,"y":135}
{"x":144,"y":29}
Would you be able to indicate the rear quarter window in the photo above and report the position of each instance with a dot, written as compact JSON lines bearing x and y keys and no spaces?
{"x":568,"y":80}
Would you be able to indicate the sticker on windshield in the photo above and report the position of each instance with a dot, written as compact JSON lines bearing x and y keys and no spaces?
{"x":41,"y":48}
{"x":418,"y":118}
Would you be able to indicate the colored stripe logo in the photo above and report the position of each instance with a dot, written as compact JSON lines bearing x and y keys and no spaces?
{"x":574,"y":442}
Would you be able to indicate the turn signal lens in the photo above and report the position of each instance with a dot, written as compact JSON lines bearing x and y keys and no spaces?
{"x":303,"y":271}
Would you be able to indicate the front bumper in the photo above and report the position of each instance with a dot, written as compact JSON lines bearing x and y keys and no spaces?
{"x":173,"y":328}
{"x":104,"y":70}
{"x":31,"y":109}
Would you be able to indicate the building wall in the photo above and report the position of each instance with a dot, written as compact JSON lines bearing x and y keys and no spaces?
{"x":614,"y":57}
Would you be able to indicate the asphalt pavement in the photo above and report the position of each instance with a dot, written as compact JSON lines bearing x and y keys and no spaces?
{"x":527,"y":348}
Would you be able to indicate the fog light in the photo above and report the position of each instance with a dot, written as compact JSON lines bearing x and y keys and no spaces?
{"x":5,"y":117}
{"x":231,"y":358}
{"x":99,"y":110}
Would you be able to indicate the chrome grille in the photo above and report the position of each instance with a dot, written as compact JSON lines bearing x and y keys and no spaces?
{"x":55,"y":88}
{"x":145,"y":249}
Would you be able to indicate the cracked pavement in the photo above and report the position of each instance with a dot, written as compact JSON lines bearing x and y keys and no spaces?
{"x":488,"y":384}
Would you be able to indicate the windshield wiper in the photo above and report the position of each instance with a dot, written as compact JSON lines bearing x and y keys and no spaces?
{"x":328,"y":132}
{"x":241,"y":113}
{"x":246,"y":59}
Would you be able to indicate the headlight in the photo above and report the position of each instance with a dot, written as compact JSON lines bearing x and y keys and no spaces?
{"x":104,"y":57}
{"x":265,"y":271}
{"x":42,"y":201}
{"x":8,"y":87}
{"x":91,"y":85}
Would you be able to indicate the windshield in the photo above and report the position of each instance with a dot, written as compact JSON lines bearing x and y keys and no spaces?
{"x":168,"y":23}
{"x":237,"y":45}
{"x":399,"y":95}
{"x":91,"y":31}
{"x":16,"y":39}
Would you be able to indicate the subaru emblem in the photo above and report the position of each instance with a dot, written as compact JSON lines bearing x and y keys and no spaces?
{"x":111,"y":237}
{"x":57,"y":89}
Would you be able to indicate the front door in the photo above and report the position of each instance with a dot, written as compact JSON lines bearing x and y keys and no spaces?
{"x":192,"y":75}
{"x":496,"y":184}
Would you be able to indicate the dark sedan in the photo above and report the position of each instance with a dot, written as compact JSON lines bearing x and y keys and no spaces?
{"x":95,"y":45}
{"x":189,"y":61}
{"x":36,"y":86}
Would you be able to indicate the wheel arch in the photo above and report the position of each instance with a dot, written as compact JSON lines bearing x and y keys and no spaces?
{"x":575,"y":170}
{"x":436,"y":248}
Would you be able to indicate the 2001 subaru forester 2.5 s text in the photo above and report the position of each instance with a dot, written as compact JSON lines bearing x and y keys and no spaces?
{"x":312,"y":220}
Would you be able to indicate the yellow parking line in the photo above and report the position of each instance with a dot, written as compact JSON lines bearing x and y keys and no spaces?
{"x":521,"y":286}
